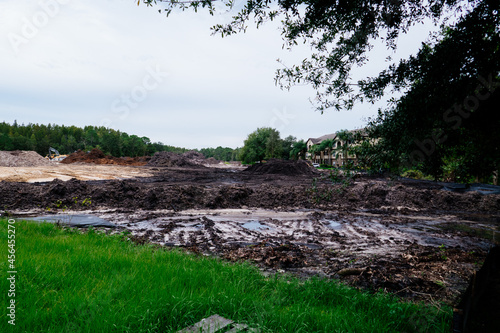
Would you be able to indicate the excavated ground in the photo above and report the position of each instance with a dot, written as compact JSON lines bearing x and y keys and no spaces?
{"x":412,"y":238}
{"x":82,"y":171}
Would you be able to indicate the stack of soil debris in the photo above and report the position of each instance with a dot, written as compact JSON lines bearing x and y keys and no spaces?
{"x":19,"y":158}
{"x":199,"y":158}
{"x":211,"y":160}
{"x":96,"y":156}
{"x":282,"y":167}
{"x":169,"y":159}
{"x":194,"y":155}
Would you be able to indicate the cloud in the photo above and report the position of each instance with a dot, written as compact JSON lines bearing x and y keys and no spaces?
{"x":81,"y":64}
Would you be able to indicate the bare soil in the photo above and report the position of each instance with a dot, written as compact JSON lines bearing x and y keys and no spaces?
{"x":56,"y":170}
{"x":411,"y":238}
{"x":96,"y":156}
{"x":159,"y":159}
{"x":169,"y":159}
{"x":21,"y":158}
{"x":289,"y":168}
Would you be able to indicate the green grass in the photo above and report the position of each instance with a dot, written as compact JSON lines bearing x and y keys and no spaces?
{"x":69,"y":281}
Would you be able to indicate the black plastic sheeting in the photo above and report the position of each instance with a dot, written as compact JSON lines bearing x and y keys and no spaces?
{"x":481,"y":188}
{"x":457,"y":187}
{"x":76,"y":220}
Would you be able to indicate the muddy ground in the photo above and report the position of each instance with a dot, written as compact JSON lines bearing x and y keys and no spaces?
{"x":412,"y":238}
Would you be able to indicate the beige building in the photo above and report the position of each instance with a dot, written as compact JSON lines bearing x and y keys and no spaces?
{"x":337,"y":155}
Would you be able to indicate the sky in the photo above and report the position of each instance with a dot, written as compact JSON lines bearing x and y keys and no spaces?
{"x":115,"y":64}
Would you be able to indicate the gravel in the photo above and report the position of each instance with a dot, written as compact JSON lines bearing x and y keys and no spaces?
{"x":20,"y":158}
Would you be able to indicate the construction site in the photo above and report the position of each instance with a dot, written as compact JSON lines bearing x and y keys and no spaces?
{"x":420,"y":240}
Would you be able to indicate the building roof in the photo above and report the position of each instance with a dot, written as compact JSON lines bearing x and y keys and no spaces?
{"x":316,"y":141}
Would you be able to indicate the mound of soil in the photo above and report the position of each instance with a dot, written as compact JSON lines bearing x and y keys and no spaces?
{"x":96,"y":156}
{"x":81,"y":156}
{"x":211,"y":160}
{"x":170,"y":159}
{"x":199,"y":158}
{"x":282,"y":167}
{"x":194,"y":155}
{"x":19,"y":158}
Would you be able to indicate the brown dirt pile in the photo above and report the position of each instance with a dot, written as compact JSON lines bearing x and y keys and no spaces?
{"x":19,"y":158}
{"x":169,"y":159}
{"x":194,"y":155}
{"x":282,"y":167}
{"x":96,"y":156}
{"x":211,"y":160}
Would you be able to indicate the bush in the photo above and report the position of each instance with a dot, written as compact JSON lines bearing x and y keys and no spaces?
{"x":415,"y":174}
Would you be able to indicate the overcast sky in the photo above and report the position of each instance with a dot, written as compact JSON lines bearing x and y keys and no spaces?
{"x":116,"y":64}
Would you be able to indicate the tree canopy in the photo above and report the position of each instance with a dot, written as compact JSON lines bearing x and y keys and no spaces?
{"x":299,"y":149}
{"x":340,"y":34}
{"x":265,"y":143}
{"x":448,"y":122}
{"x":67,"y":139}
{"x":221,"y":153}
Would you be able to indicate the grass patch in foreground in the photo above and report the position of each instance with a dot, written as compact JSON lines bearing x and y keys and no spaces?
{"x":70,"y":281}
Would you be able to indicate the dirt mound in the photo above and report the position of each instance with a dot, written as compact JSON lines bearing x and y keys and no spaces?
{"x":81,"y":156}
{"x":169,"y":159}
{"x":194,"y":155}
{"x":96,"y":156}
{"x":199,"y":158}
{"x":20,"y":158}
{"x":211,"y":160}
{"x":282,"y":167}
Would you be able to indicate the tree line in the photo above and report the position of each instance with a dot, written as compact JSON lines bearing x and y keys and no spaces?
{"x":264,"y":143}
{"x":68,"y":139}
{"x":222,"y":153}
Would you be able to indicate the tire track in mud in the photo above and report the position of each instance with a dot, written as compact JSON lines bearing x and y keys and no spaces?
{"x":366,"y":236}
